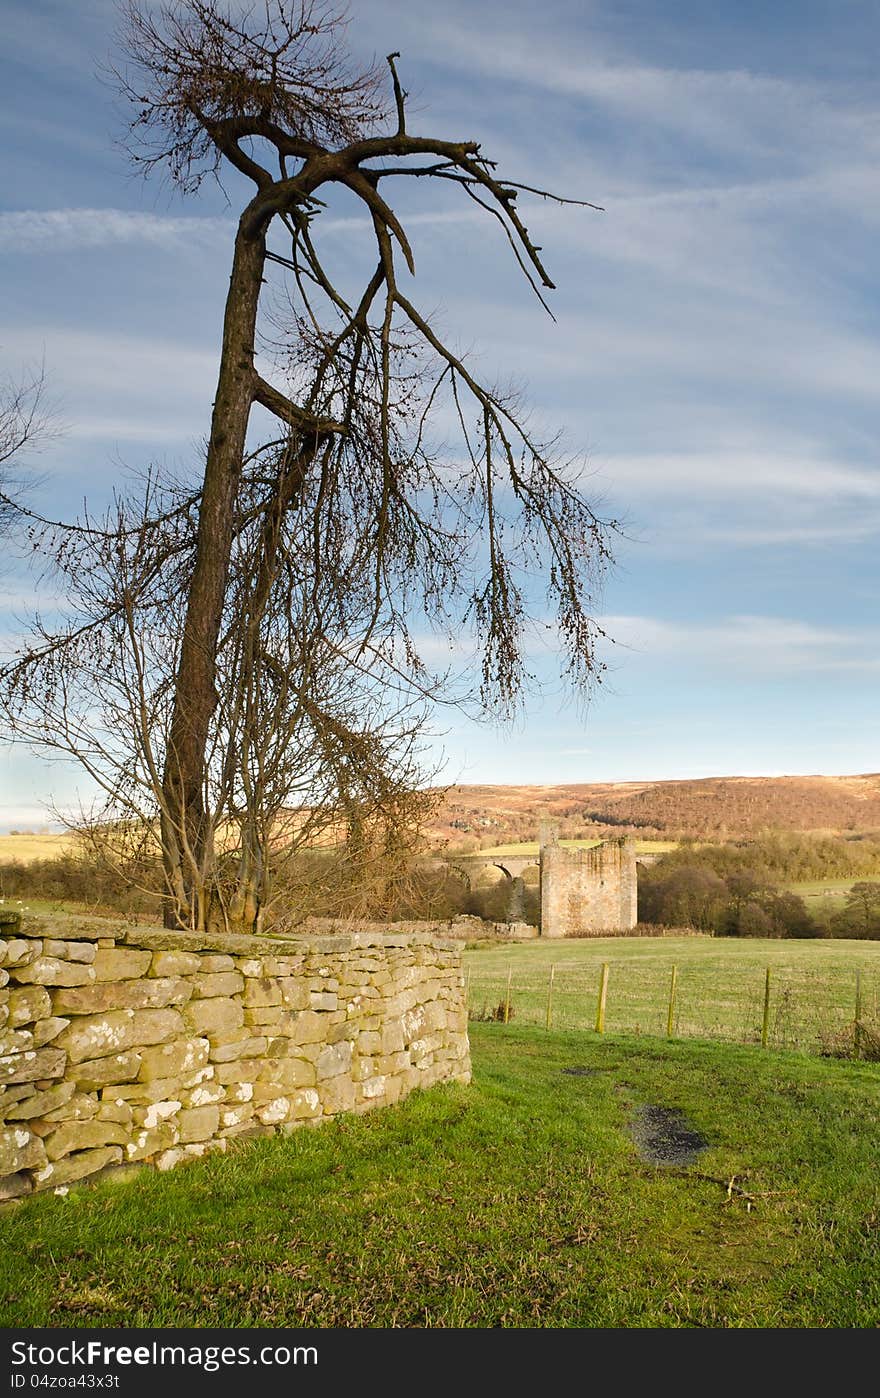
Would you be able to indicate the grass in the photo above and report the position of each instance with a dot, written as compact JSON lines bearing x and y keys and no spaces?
{"x":823,"y":895}
{"x":720,"y":985}
{"x":520,"y":1201}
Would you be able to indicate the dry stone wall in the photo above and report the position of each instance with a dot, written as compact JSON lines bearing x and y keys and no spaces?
{"x":143,"y":1045}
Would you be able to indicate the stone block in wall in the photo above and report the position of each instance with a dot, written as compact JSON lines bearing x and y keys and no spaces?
{"x":49,"y":970}
{"x":38,"y":1103}
{"x":230,"y":1046}
{"x":413,"y":1022}
{"x":116,"y":1111}
{"x":309,"y":1027}
{"x":233,"y":1117}
{"x":182,"y":1057}
{"x":214,"y":1015}
{"x":96,"y":1073}
{"x":151,"y":1140}
{"x":393,"y":1090}
{"x":338,"y":1026}
{"x":14,"y":1187}
{"x":337,"y":1095}
{"x":21,"y":950}
{"x":93,"y":1036}
{"x":204,"y":1094}
{"x":70,"y":951}
{"x":250,"y":966}
{"x":391,"y":1063}
{"x":141,"y":1094}
{"x":82,"y":1106}
{"x":216,"y":963}
{"x":209,"y":985}
{"x":154,"y":993}
{"x":369,"y":1041}
{"x":294,"y":994}
{"x":333,"y":1060}
{"x":20,"y":1149}
{"x":265,"y":1019}
{"x":392,"y":1038}
{"x":84,"y":1135}
{"x":241,"y":1070}
{"x":288,"y":1072}
{"x":31,"y":1067}
{"x":78,"y":1166}
{"x":121,"y":964}
{"x":273,"y":1112}
{"x":197,"y":1123}
{"x":282,"y":967}
{"x":239,"y":1092}
{"x":261,"y":994}
{"x":175,"y":963}
{"x":45,"y":1030}
{"x":28,"y":1003}
{"x":305,"y":1104}
{"x":371,"y":1089}
{"x":15,"y":1041}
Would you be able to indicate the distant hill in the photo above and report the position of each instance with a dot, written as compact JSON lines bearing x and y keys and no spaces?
{"x":714,"y":807}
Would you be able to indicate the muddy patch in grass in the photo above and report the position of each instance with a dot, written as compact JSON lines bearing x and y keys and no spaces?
{"x":663,"y":1137}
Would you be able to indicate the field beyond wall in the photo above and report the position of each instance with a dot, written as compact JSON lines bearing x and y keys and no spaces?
{"x":720,"y":986}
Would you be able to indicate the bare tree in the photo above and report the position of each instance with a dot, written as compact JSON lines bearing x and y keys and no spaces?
{"x":307,"y":749}
{"x":26,"y":423}
{"x":313,"y":554}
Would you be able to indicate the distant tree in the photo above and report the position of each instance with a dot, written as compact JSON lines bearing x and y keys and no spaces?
{"x":685,"y":895}
{"x":860,"y":917}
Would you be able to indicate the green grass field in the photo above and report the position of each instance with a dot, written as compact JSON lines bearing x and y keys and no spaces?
{"x":719,"y":992}
{"x":823,"y":895}
{"x":518,"y":1202}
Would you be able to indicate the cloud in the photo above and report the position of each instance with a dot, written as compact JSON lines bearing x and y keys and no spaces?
{"x":66,"y":230}
{"x":731,"y":472}
{"x":119,"y":387}
{"x":751,"y":645}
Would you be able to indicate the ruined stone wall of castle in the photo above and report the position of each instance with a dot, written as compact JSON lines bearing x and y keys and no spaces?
{"x":588,"y":890}
{"x":143,"y":1045}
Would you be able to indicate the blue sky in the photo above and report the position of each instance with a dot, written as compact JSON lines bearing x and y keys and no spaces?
{"x":716,"y":353}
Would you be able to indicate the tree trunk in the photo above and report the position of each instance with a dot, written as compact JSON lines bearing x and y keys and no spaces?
{"x":183,"y":827}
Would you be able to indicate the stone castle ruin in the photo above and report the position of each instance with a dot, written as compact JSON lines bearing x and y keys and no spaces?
{"x":588,"y":891}
{"x":584,"y":892}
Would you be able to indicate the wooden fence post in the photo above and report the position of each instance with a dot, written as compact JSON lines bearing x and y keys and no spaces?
{"x":857,"y":1027}
{"x":600,"y":1006}
{"x":765,"y":1023}
{"x":507,"y":996}
{"x":670,"y":1017}
{"x":550,"y":995}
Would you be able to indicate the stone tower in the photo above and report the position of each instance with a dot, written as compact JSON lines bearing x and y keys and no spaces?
{"x":588,"y":891}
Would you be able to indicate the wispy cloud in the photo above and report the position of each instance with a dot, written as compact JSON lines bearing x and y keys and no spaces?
{"x":65,"y":230}
{"x":751,"y":645}
{"x":736,"y":473}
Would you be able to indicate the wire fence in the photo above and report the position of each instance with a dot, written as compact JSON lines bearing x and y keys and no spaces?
{"x":815,"y":1009}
